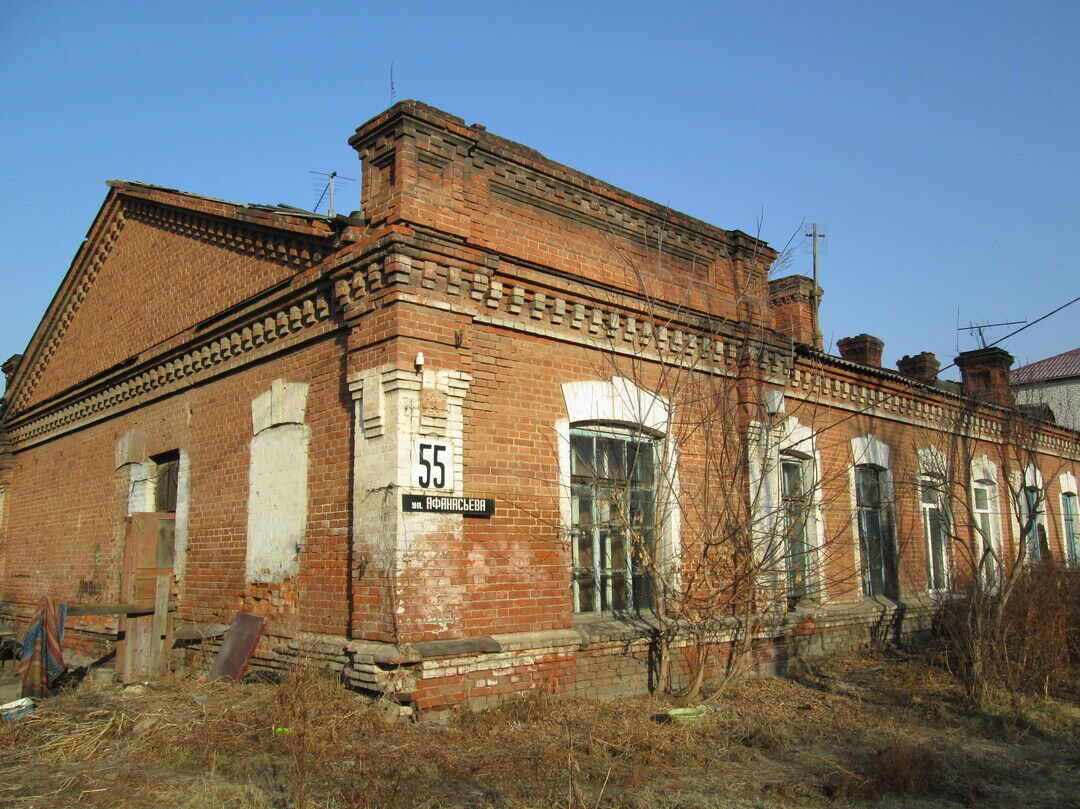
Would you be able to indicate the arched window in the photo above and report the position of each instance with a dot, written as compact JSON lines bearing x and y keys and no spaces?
{"x":935,"y":521}
{"x":796,"y":487}
{"x":619,"y":480}
{"x":872,"y":484}
{"x":986,"y":520}
{"x":873,"y":504}
{"x":1031,"y":516}
{"x":613,"y":504}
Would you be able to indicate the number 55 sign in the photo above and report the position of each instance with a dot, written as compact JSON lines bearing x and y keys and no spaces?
{"x":433,"y":464}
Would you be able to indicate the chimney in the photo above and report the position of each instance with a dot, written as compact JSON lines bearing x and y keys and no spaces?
{"x":793,"y":301}
{"x":922,"y":367}
{"x":865,"y":349}
{"x":984,"y":374}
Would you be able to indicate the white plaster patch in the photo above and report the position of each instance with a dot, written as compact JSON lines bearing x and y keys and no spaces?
{"x":866,"y":449}
{"x":932,"y":462}
{"x":277,"y":483}
{"x":284,"y":403}
{"x":140,"y":488}
{"x":183,"y":485}
{"x":618,"y":400}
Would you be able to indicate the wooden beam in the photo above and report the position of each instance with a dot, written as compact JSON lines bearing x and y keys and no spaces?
{"x":114,"y":609}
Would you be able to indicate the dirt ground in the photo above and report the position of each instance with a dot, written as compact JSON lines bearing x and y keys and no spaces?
{"x":864,"y":730}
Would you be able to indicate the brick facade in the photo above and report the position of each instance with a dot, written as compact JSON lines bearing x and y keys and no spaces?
{"x":480,"y":286}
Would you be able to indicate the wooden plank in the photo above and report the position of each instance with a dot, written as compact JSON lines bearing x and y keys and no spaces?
{"x":143,"y":608}
{"x":159,"y":625}
{"x":235,"y":653}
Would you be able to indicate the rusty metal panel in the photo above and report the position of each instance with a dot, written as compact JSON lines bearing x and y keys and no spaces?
{"x":235,"y":653}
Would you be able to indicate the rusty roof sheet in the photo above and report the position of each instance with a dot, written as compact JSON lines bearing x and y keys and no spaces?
{"x":1060,"y":366}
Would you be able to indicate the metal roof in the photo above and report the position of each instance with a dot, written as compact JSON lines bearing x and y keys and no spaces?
{"x":280,"y":208}
{"x":1060,"y":366}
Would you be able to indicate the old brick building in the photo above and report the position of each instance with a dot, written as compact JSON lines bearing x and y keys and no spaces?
{"x":441,"y":446}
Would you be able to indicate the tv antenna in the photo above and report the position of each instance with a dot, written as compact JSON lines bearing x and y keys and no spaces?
{"x":326,"y":187}
{"x":978,"y":328}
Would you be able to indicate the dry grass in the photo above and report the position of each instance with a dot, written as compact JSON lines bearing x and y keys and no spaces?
{"x":864,"y":730}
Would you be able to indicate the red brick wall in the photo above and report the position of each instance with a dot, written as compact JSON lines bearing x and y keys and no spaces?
{"x":68,"y":502}
{"x":153,"y":285}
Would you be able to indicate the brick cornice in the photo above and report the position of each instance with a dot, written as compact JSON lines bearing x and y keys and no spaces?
{"x":301,"y":251}
{"x":492,"y":290}
{"x":255,"y":337}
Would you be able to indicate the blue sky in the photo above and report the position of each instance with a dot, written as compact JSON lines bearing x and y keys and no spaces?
{"x":938,"y":142}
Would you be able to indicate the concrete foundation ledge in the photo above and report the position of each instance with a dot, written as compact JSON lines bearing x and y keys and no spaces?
{"x":556,"y":640}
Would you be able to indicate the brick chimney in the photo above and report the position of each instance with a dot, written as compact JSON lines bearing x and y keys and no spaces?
{"x":865,"y":349}
{"x":984,"y":374}
{"x":793,"y":301}
{"x":922,"y":367}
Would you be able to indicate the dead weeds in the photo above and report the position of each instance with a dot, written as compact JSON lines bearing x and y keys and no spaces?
{"x":862,"y":730}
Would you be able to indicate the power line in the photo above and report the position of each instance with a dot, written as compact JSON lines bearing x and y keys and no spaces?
{"x":1032,"y":323}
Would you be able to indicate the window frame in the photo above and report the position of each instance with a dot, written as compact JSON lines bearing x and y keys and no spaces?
{"x":986,"y":521}
{"x":883,"y":509}
{"x":614,"y":589}
{"x":938,"y":566}
{"x":798,"y":562}
{"x":1070,"y":520}
{"x":1032,"y":501}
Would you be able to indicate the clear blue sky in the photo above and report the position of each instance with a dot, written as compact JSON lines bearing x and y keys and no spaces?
{"x":937,"y":141}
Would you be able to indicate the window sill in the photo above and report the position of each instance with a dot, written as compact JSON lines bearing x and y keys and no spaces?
{"x":607,"y":627}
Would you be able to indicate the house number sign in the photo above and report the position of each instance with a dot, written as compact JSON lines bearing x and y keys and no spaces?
{"x":433,"y":464}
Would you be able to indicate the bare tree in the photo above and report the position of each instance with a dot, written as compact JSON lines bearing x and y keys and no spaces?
{"x":1003,"y":617}
{"x":731,"y":462}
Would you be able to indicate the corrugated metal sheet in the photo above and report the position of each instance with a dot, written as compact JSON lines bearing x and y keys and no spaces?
{"x":1060,"y":366}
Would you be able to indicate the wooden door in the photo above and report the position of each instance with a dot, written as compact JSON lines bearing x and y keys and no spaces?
{"x":146,"y":582}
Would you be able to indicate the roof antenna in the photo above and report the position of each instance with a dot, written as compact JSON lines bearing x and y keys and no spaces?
{"x":329,"y":187}
{"x":978,"y":328}
{"x":393,"y":87}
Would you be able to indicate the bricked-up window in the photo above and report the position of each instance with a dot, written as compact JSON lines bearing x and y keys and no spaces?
{"x":875,"y":531}
{"x":613,"y":505}
{"x":935,"y":529}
